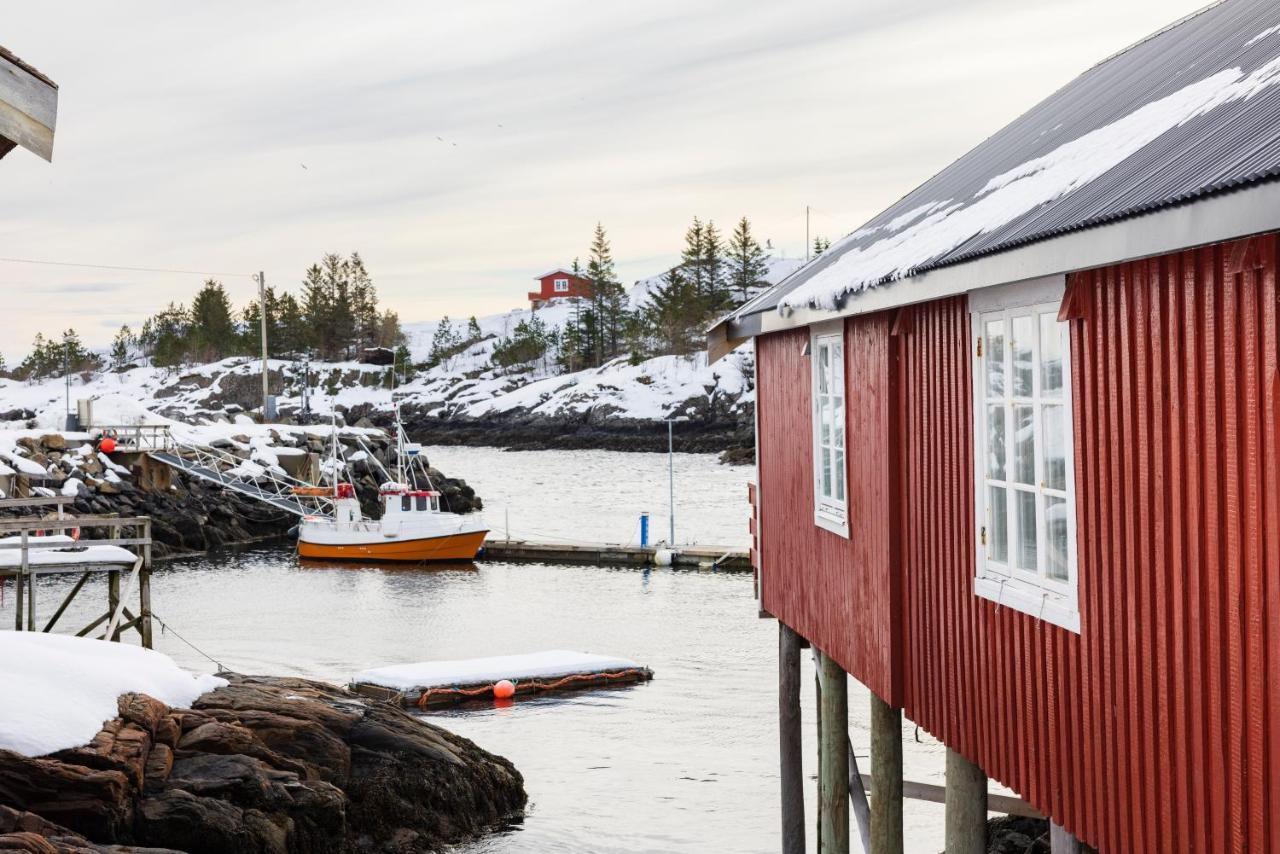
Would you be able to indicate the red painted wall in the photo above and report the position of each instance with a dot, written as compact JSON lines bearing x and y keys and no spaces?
{"x":1157,"y":728}
{"x":578,"y":287}
{"x":839,"y":593}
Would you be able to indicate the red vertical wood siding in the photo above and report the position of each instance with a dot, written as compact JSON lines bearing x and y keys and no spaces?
{"x":1157,"y":728}
{"x":841,"y":594}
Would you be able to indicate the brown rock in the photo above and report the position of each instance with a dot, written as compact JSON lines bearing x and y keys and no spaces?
{"x":168,"y":730}
{"x":95,"y":803}
{"x":159,"y":765}
{"x":118,"y":746}
{"x":54,"y":441}
{"x":146,"y":712}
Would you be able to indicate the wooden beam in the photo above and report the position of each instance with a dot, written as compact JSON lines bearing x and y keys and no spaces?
{"x":966,"y":800}
{"x":28,"y":107}
{"x":790,"y":749}
{"x":886,"y":777}
{"x":833,"y":745}
{"x":1004,"y":804}
{"x":67,"y":601}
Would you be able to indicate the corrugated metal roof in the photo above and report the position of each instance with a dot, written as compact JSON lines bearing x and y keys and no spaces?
{"x":1229,"y":146}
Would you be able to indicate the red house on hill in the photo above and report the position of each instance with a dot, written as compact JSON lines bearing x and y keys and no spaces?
{"x":558,"y":284}
{"x":1019,"y":462}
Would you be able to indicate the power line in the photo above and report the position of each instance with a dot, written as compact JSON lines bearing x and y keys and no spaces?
{"x":126,"y":269}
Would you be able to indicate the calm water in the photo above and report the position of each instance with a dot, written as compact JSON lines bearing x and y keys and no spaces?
{"x":686,"y":763}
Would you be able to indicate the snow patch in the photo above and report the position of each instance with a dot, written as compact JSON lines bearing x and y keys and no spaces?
{"x":471,"y":671}
{"x":59,"y":690}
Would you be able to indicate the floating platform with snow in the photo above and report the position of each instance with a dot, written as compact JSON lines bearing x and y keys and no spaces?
{"x":443,"y":683}
{"x":59,"y":551}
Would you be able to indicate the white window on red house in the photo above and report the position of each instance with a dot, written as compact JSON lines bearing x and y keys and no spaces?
{"x":831,"y":509}
{"x":562,"y":286}
{"x":1023,"y":457}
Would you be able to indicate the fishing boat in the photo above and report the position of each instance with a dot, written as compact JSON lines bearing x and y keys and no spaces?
{"x":413,"y":526}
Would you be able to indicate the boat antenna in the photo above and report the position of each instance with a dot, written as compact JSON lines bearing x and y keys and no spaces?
{"x":399,"y":444}
{"x":334,"y":421}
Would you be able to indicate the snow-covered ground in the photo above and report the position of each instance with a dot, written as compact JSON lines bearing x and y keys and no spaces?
{"x":59,"y":690}
{"x":199,"y":402}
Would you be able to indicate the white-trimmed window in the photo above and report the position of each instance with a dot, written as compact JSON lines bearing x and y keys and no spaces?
{"x":562,"y":286}
{"x":1023,"y":457}
{"x":830,"y":505}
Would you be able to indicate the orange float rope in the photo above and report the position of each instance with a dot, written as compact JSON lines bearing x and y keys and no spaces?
{"x":536,"y":684}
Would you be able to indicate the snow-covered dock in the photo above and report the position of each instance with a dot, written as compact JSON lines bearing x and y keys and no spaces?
{"x":442,"y":683}
{"x":702,"y":557}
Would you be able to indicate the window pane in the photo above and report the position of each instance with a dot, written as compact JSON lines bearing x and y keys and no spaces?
{"x":1023,"y":332}
{"x":826,"y":472}
{"x":824,"y":421}
{"x":824,"y":367}
{"x":1050,"y":356}
{"x":995,"y":358}
{"x":1055,"y":528}
{"x":838,"y":475}
{"x":837,"y":367}
{"x":998,"y":524}
{"x":1024,"y":445}
{"x":995,"y":442}
{"x":837,"y":421}
{"x":1055,"y":447}
{"x":1024,"y":511}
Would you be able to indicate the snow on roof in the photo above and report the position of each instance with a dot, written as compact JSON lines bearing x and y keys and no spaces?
{"x":564,"y":270}
{"x":474,"y":671}
{"x":59,"y":690}
{"x":1190,"y":111}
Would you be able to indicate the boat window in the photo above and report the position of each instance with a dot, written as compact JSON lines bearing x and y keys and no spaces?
{"x":406,"y":503}
{"x":422,"y":502}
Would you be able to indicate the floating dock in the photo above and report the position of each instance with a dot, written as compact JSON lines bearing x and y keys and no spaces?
{"x":431,"y":684}
{"x":701,"y":557}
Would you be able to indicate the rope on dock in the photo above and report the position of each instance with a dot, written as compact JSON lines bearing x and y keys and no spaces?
{"x":536,"y":684}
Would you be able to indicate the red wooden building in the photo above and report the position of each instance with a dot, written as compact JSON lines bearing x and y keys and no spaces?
{"x":1019,"y":448}
{"x":558,"y":284}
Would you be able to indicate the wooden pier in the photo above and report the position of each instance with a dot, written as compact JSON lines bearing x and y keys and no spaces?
{"x":699,"y":557}
{"x":130,"y":571}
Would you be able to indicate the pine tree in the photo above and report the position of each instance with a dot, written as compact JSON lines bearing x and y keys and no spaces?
{"x":213,"y":331}
{"x":748,"y":265}
{"x":692,"y":256}
{"x":608,"y":299}
{"x":672,"y":313}
{"x":473,"y":330}
{"x":713,"y":273}
{"x":121,"y":347}
{"x":444,"y":343}
{"x":820,"y":245}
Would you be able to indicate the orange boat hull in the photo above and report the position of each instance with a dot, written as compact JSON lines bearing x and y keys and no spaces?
{"x":463,"y":546}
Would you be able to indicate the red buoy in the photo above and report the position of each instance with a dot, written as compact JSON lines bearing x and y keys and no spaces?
{"x":107,"y":445}
{"x":504,"y":690}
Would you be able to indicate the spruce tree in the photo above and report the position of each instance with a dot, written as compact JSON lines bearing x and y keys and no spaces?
{"x":691,"y":257}
{"x":608,"y":299}
{"x":213,"y":330}
{"x":748,"y":264}
{"x":672,"y":313}
{"x":473,"y":330}
{"x":713,"y":290}
{"x":121,"y":346}
{"x":820,"y":245}
{"x":444,"y":342}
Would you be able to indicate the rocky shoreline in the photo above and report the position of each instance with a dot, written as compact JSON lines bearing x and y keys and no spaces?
{"x":261,"y":766}
{"x":729,"y":434}
{"x":190,"y":515}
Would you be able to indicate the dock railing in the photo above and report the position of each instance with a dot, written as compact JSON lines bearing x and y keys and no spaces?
{"x":136,"y":437}
{"x":29,"y":535}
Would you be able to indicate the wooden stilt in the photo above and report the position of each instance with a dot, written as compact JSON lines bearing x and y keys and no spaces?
{"x":31,"y":601}
{"x":886,"y":778}
{"x":791,"y":765}
{"x":833,"y":746}
{"x":966,"y":810}
{"x":113,"y":597}
{"x":19,"y":600}
{"x":144,"y":589}
{"x":1061,"y":842}
{"x":57,"y":615}
{"x":817,"y":693}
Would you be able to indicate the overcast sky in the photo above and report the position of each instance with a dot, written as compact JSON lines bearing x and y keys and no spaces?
{"x":463,"y":148}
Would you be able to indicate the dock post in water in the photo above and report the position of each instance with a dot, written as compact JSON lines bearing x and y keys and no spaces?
{"x":833,"y":746}
{"x":886,"y":777}
{"x":791,"y":764}
{"x":966,"y":806}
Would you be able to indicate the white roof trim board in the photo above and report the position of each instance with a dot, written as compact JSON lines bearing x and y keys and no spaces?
{"x":1186,"y":114}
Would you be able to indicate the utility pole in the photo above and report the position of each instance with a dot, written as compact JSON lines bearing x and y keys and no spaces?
{"x":807,"y":245}
{"x":671,"y":484}
{"x":66,"y":376}
{"x":262,"y":314}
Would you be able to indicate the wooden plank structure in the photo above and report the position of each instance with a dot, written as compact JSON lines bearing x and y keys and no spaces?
{"x":122,"y":577}
{"x":707,"y":557}
{"x":28,"y":107}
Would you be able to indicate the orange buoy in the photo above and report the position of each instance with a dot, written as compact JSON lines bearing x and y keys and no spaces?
{"x":107,"y":445}
{"x":504,"y":690}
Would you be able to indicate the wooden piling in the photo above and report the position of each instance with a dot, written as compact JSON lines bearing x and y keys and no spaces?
{"x":1062,"y":842}
{"x":833,"y":746}
{"x":791,"y":765}
{"x":144,"y":588}
{"x":886,"y":778}
{"x":113,"y":598}
{"x":31,"y":600}
{"x":966,"y":806}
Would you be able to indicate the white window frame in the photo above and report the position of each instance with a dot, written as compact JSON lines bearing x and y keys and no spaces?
{"x":829,"y":512}
{"x":1033,"y":593}
{"x":561,"y":286}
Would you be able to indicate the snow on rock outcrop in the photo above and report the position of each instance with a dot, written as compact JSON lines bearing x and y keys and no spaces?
{"x":59,"y":690}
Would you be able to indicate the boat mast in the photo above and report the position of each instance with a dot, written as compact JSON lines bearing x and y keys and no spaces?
{"x":399,"y":446}
{"x":334,"y":416}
